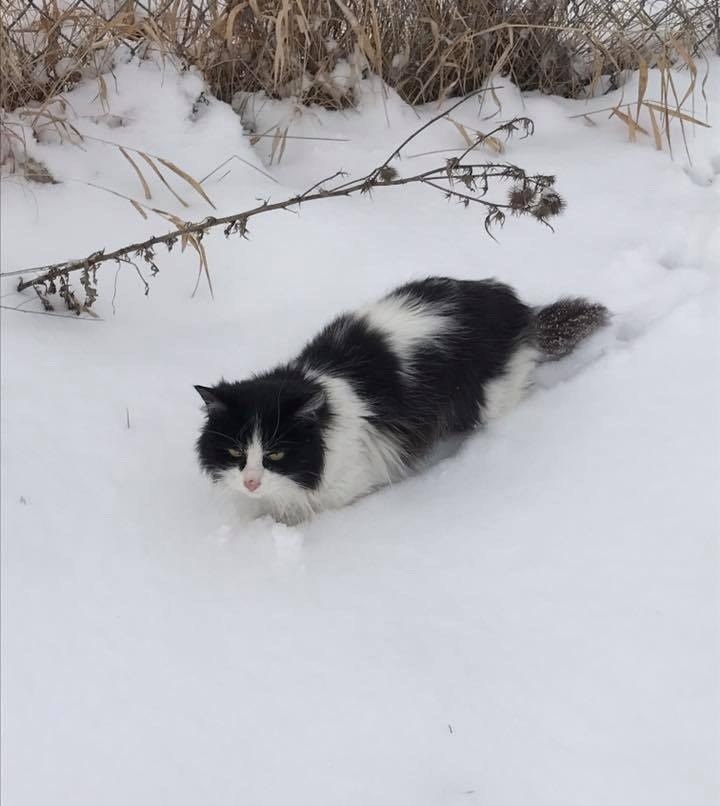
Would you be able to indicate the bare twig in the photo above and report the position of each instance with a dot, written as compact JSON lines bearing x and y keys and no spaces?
{"x":397,"y":152}
{"x":473,"y":176}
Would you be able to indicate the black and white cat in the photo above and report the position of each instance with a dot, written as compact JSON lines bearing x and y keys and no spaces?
{"x":371,"y":395}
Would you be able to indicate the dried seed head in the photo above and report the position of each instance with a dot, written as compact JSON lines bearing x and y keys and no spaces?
{"x":521,"y":197}
{"x":544,"y":181}
{"x":550,"y":204}
{"x":387,"y":173}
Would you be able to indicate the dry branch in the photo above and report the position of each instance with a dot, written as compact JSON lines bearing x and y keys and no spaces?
{"x":528,"y":195}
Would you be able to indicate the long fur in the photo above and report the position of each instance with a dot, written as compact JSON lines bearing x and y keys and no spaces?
{"x":560,"y":327}
{"x":376,"y":391}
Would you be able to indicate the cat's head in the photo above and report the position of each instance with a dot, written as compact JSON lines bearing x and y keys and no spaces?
{"x":264,"y":437}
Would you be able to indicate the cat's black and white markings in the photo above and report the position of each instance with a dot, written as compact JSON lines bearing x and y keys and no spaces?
{"x":377,"y":389}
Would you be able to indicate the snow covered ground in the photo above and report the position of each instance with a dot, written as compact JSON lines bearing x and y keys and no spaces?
{"x":533,"y":621}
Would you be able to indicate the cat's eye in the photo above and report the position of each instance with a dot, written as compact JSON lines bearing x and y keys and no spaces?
{"x":236,"y":452}
{"x":276,"y":456}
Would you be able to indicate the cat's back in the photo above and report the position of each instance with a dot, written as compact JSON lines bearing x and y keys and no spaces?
{"x":375,"y":340}
{"x":382,"y":338}
{"x":438,"y":311}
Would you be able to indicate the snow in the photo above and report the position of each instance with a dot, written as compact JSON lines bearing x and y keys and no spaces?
{"x":531,"y":621}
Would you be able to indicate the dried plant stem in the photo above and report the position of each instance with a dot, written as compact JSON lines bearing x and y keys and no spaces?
{"x":531,"y":195}
{"x":48,"y":272}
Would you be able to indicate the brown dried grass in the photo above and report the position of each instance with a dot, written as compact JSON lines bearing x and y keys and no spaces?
{"x":315,"y":51}
{"x":430,"y":49}
{"x":425,"y":49}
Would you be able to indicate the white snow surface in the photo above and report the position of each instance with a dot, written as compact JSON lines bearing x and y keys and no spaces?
{"x":531,"y":621}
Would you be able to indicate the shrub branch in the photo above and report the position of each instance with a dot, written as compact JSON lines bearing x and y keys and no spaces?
{"x":461,"y":179}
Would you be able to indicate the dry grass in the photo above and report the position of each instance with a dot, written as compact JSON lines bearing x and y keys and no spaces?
{"x":429,"y":49}
{"x":316,"y":51}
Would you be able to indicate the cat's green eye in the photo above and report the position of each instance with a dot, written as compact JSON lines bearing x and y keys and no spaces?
{"x":236,"y":452}
{"x":276,"y":456}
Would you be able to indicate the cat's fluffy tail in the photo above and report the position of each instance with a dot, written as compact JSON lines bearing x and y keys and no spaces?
{"x":560,"y":327}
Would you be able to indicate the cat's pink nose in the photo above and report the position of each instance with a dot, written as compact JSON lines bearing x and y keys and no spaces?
{"x":251,"y":484}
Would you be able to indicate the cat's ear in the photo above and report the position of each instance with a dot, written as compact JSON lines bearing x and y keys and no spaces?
{"x":310,"y":409}
{"x":210,"y":398}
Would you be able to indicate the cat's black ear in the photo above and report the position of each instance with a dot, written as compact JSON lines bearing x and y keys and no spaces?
{"x":209,"y":396}
{"x":312,"y":406}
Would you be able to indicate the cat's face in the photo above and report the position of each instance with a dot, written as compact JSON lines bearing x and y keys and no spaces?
{"x":263,"y":437}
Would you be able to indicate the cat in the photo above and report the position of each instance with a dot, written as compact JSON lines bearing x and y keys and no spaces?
{"x":377,"y":390}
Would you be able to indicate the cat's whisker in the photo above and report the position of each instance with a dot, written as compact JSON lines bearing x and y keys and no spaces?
{"x":223,"y":436}
{"x":277,"y":422}
{"x":242,"y":431}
